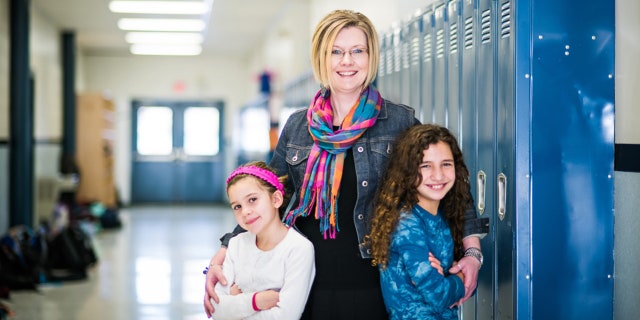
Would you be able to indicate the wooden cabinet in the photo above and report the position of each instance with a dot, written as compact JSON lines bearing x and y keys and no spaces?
{"x":94,"y":149}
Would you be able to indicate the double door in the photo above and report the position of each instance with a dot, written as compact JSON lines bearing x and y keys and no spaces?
{"x":177,"y":154}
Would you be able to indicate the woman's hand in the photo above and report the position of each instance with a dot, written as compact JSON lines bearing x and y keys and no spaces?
{"x":469,"y":267}
{"x":214,"y":274}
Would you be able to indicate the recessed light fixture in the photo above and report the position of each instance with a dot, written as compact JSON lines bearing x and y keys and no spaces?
{"x":159,"y":7}
{"x":168,"y":50}
{"x":164,"y":37}
{"x":141,"y":24}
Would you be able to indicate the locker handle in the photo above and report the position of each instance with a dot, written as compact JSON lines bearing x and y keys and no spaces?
{"x":481,"y":180}
{"x":502,"y":196}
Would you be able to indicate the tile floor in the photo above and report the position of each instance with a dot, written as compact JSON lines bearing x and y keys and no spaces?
{"x":151,"y":268}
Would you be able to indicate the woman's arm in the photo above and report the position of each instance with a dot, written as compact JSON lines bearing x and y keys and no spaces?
{"x":214,"y":275}
{"x":474,"y":229}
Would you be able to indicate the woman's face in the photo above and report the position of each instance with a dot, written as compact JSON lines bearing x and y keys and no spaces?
{"x":438,"y":176}
{"x":349,"y":61}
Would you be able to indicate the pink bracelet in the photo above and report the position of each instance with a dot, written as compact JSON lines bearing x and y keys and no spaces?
{"x":253,"y":302}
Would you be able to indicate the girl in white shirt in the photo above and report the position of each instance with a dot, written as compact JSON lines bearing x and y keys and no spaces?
{"x":269,"y":269}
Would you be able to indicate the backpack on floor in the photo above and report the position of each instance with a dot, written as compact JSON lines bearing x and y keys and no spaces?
{"x":21,"y":259}
{"x":71,"y":252}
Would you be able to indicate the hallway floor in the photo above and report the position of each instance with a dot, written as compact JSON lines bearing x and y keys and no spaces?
{"x":151,"y":268}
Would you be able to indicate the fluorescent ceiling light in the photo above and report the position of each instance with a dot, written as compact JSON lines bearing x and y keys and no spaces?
{"x":159,"y":7}
{"x":167,"y":50}
{"x":161,"y":24}
{"x":164,"y":37}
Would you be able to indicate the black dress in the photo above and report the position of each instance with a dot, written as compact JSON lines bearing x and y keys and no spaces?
{"x":346,"y":286}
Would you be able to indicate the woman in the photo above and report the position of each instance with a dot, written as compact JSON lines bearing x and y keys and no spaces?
{"x":334,"y":153}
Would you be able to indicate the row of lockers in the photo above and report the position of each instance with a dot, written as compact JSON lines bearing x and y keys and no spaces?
{"x":527,"y":86}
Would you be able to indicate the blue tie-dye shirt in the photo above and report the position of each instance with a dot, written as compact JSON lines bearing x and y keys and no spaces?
{"x":411,"y":288}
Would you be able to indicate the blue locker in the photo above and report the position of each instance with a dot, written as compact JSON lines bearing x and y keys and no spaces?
{"x":414,"y":36}
{"x":405,"y":62}
{"x":485,"y":174}
{"x":468,"y":129}
{"x":428,"y":100}
{"x":503,"y":220}
{"x":572,"y":72}
{"x":467,"y":138}
{"x":390,"y":76}
{"x":452,"y":18}
{"x":440,"y":65}
{"x":381,"y":81}
{"x":395,"y":76}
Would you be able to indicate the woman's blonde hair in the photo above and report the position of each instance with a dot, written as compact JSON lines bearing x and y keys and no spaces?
{"x":325,"y":35}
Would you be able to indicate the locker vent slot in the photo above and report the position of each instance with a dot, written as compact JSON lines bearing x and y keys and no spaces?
{"x":415,"y":51}
{"x":485,"y":23}
{"x":389,"y":60}
{"x":427,"y":47}
{"x":405,"y":54}
{"x":505,"y":20}
{"x":440,"y":43}
{"x":453,"y":38}
{"x":383,"y":62}
{"x":397,"y":52}
{"x":468,"y":33}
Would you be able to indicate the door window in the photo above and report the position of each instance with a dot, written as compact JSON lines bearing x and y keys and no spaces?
{"x":201,"y":131}
{"x":155,"y":131}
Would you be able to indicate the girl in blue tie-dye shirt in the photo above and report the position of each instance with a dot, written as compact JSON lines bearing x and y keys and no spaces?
{"x":420,"y":213}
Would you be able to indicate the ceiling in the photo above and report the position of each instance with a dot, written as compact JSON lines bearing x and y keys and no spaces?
{"x":235,"y":26}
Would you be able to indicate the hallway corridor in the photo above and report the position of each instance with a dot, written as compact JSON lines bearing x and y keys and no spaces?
{"x":151,"y":268}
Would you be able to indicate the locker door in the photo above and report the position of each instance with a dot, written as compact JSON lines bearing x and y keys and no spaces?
{"x":505,"y":222}
{"x":485,"y":176}
{"x":440,"y":67}
{"x":426,"y":115}
{"x":396,"y":63}
{"x":381,"y":78}
{"x":453,"y":66}
{"x":414,"y":33}
{"x":405,"y":62}
{"x":468,"y":137}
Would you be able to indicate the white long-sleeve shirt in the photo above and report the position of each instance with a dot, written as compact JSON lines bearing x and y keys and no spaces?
{"x":288,"y":267}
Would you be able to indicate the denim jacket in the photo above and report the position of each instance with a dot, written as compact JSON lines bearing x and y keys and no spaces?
{"x":370,"y":154}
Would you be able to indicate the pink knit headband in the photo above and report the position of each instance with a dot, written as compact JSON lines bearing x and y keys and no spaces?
{"x":258,"y":172}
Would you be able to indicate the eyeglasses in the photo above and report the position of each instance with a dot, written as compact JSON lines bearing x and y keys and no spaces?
{"x":355,"y":53}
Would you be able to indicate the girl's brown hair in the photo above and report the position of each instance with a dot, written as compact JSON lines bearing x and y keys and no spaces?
{"x":398,"y":192}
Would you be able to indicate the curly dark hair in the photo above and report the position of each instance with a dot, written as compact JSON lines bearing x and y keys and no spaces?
{"x":397,"y":191}
{"x":266,"y":185}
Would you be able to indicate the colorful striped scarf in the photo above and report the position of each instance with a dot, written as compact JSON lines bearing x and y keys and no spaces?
{"x":324,"y":166}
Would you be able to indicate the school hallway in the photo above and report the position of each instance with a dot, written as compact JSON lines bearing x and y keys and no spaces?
{"x":151,"y":268}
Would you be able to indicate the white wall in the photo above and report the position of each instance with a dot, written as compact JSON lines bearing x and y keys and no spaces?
{"x":627,"y":71}
{"x":126,"y":78}
{"x":45,"y":61}
{"x":627,"y":184}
